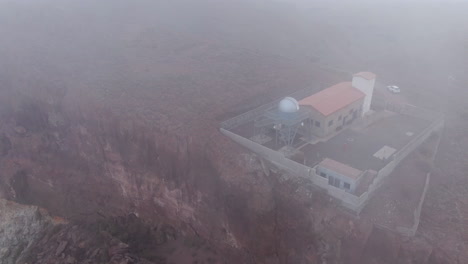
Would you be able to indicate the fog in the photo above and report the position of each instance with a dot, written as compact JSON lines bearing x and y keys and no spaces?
{"x":180,"y":67}
{"x":70,"y":41}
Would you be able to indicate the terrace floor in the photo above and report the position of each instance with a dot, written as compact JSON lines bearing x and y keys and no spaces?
{"x":356,"y":147}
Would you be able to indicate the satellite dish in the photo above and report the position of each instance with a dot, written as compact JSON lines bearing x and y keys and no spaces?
{"x":288,"y":105}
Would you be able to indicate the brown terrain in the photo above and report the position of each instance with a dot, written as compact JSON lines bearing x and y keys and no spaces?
{"x":109,"y":144}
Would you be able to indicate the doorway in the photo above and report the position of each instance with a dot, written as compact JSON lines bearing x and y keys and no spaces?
{"x":334,"y":181}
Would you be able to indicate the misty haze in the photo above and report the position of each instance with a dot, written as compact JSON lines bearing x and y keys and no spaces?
{"x":248,"y":131}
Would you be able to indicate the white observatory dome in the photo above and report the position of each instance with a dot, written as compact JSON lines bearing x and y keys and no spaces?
{"x":288,"y":105}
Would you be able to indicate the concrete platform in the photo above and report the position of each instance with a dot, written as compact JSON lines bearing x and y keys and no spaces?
{"x":363,"y":148}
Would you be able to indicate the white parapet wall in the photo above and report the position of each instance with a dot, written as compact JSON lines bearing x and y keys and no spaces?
{"x":274,"y":157}
{"x":348,"y":200}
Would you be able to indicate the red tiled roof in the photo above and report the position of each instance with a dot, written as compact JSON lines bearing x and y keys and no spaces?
{"x":366,"y":75}
{"x":341,"y":168}
{"x":333,"y":98}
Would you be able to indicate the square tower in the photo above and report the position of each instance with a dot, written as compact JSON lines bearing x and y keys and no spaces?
{"x":365,"y":81}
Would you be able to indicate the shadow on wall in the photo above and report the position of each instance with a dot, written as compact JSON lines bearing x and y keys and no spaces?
{"x":19,"y":184}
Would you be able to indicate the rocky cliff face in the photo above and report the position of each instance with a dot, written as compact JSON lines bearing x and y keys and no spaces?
{"x":31,"y":235}
{"x":92,"y":169}
{"x":20,"y":227}
{"x":117,"y":133}
{"x":161,"y":196}
{"x":89,"y":168}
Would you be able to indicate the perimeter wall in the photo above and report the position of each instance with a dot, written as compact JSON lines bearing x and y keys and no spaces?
{"x":348,"y":200}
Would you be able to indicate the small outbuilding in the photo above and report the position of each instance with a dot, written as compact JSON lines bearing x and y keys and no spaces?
{"x":339,"y":175}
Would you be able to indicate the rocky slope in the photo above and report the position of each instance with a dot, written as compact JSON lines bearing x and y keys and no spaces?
{"x":186,"y":201}
{"x":20,"y":226}
{"x":114,"y":127}
{"x":31,"y":235}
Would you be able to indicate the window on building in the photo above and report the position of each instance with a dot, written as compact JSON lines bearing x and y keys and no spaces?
{"x":330,"y":123}
{"x":351,"y":111}
{"x":317,"y":123}
{"x":339,"y":118}
{"x":347,"y":186}
{"x":323,"y":174}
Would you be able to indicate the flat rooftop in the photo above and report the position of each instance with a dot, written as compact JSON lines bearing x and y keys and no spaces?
{"x":370,"y":147}
{"x":341,"y":168}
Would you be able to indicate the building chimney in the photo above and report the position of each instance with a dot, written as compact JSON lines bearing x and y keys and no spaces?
{"x":365,"y":81}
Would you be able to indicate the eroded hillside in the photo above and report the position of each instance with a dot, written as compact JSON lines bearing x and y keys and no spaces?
{"x":110,"y":115}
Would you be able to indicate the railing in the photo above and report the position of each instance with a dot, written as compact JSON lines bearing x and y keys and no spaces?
{"x":414,"y":111}
{"x":252,"y":114}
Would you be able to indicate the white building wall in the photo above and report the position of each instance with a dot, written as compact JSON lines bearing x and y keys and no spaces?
{"x":342,"y":178}
{"x":367,"y":87}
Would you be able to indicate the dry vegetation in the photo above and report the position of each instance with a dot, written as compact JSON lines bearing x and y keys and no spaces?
{"x":110,"y":108}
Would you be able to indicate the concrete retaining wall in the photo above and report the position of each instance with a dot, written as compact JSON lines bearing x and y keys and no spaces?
{"x":411,"y":231}
{"x":348,"y":200}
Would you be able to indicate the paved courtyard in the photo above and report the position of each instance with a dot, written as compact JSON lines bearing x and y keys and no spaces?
{"x":361,"y":148}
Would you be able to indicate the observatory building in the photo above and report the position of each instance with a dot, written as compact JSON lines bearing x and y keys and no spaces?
{"x":339,"y":105}
{"x":313,"y":134}
{"x":320,"y":114}
{"x":286,"y":120}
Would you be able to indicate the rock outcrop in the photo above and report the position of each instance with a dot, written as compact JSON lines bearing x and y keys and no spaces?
{"x":30,"y":235}
{"x":20,"y":227}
